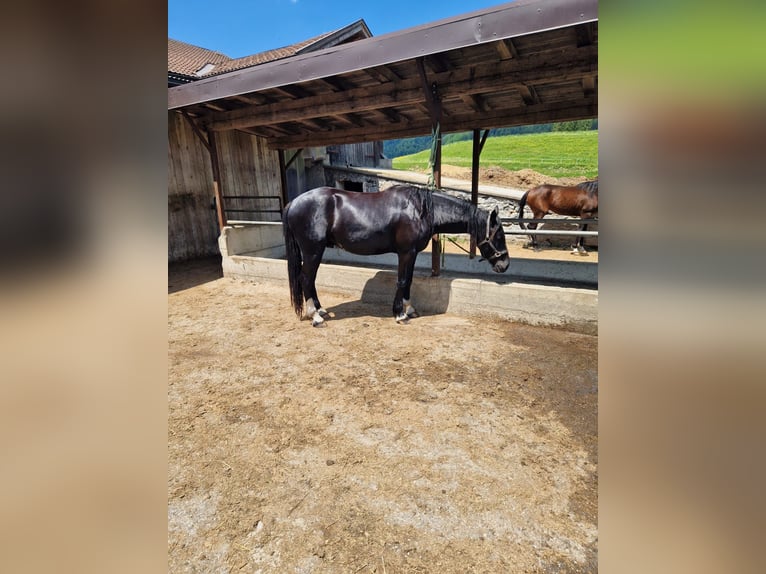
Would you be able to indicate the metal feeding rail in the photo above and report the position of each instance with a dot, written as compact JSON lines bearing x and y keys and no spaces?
{"x":515,"y":220}
{"x":255,"y":210}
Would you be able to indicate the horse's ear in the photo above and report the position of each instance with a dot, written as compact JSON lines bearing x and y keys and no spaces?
{"x":494,"y":214}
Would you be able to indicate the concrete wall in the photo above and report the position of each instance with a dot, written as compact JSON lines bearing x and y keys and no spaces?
{"x":262,"y":239}
{"x":337,"y":177}
{"x":567,"y":308}
{"x":266,"y":240}
{"x":470,"y":287}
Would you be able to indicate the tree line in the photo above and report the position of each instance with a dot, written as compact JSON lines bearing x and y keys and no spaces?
{"x":398,"y":148}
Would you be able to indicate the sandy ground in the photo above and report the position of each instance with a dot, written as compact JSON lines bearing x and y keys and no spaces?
{"x":518,"y":248}
{"x":522,"y":179}
{"x":449,"y":445}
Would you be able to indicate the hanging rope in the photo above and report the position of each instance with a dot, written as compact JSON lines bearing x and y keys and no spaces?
{"x":456,"y":244}
{"x":432,"y":160}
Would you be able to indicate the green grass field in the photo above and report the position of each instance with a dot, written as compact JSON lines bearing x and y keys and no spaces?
{"x":555,"y":154}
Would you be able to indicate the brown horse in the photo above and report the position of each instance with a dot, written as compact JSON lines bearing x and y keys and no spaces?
{"x":576,"y":201}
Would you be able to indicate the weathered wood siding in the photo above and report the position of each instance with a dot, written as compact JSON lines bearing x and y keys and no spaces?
{"x":306,"y":171}
{"x":366,"y":154}
{"x":248,"y":168}
{"x":192,"y":225}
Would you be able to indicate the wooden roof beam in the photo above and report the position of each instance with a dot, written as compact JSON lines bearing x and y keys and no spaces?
{"x":438,"y":63}
{"x":584,"y":33}
{"x":382,"y":74}
{"x":452,"y":84}
{"x":589,"y":85}
{"x":336,"y":84}
{"x":506,"y":49}
{"x":528,"y":94}
{"x":393,"y":115}
{"x":293,"y":92}
{"x":253,"y":99}
{"x":348,"y":120}
{"x":525,"y":115}
{"x":475,"y":102}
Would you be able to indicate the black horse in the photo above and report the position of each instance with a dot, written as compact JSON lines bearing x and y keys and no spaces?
{"x":399,"y":220}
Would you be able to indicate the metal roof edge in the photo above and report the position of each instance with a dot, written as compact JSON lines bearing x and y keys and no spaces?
{"x":356,"y":26}
{"x":489,"y":25}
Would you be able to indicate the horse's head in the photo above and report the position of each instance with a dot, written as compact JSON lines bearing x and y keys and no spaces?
{"x":493,"y":247}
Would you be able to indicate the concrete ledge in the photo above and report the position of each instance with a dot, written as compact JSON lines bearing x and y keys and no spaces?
{"x":263,"y":238}
{"x":581,"y":273}
{"x":569,"y":308}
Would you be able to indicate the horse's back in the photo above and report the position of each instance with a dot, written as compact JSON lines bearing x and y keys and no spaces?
{"x":562,"y":199}
{"x":362,"y":223}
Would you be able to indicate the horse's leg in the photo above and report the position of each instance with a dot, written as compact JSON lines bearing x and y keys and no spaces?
{"x":580,"y":247}
{"x":403,"y":309}
{"x":409,"y":310}
{"x":533,"y":226}
{"x":314,"y":310}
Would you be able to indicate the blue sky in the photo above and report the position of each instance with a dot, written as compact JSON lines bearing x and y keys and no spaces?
{"x":243,"y":27}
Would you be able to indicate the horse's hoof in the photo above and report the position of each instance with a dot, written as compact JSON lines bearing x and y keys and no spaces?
{"x":403,"y":319}
{"x":324,"y":314}
{"x":318,"y":324}
{"x":410,"y":311}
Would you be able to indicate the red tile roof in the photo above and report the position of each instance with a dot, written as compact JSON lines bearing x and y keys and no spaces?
{"x":187,"y":60}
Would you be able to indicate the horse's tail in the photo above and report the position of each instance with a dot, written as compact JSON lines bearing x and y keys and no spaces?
{"x":522,"y":203}
{"x":294,"y":264}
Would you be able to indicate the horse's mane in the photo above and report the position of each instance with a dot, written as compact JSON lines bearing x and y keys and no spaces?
{"x":476,"y":219}
{"x":425,"y":198}
{"x":590,"y":186}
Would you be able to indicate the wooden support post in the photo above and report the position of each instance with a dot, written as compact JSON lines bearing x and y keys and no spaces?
{"x":196,"y":129}
{"x":434,"y":105}
{"x":283,"y":167}
{"x":216,"y":181}
{"x":283,"y":177}
{"x":436,"y":246}
{"x":478,"y":146}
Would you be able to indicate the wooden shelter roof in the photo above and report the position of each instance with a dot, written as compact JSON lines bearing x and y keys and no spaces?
{"x":526,"y":62}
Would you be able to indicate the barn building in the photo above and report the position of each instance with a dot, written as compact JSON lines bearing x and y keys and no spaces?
{"x":255,"y":181}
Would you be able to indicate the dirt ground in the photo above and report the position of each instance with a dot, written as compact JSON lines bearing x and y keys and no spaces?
{"x":518,"y":249}
{"x":522,"y":179}
{"x":448,"y":445}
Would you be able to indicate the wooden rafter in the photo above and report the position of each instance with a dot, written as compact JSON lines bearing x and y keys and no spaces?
{"x":506,"y":49}
{"x":452,"y":84}
{"x":524,"y":115}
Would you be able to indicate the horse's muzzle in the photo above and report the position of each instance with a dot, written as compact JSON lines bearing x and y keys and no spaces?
{"x":501,"y":265}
